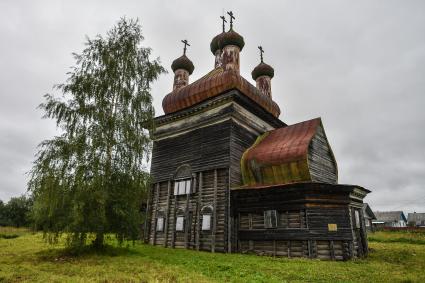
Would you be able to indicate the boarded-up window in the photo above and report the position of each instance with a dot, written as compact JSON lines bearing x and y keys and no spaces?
{"x":206,"y":222}
{"x":180,"y":223}
{"x":270,"y":219}
{"x":160,"y":224}
{"x":357,"y":217}
{"x":292,"y":219}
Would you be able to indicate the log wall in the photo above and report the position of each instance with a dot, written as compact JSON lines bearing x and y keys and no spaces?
{"x":322,"y":164}
{"x":212,"y":191}
{"x":303,"y":219}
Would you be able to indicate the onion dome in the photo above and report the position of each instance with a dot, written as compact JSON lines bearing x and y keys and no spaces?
{"x":262,"y":69}
{"x":183,"y":63}
{"x":231,"y":38}
{"x":214,"y":45}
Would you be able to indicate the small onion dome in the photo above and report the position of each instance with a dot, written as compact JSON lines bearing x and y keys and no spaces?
{"x":231,"y":38}
{"x":262,"y":69}
{"x":183,"y":63}
{"x":214,"y":45}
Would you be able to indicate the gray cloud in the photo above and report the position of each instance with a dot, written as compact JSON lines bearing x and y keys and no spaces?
{"x":359,"y":65}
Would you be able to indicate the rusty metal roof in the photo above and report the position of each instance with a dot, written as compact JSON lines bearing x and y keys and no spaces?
{"x":213,"y":84}
{"x":285,"y":144}
{"x":280,"y":156}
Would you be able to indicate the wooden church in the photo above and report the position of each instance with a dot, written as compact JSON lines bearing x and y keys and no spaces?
{"x":230,"y":176}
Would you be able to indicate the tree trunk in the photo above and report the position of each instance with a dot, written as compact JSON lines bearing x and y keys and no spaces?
{"x":99,"y":241}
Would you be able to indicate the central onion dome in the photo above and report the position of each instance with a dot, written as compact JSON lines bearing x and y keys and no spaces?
{"x":226,"y":38}
{"x":262,"y":69}
{"x":183,"y":63}
{"x":230,"y":38}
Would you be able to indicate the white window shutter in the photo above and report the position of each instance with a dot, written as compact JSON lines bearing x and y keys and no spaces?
{"x":179,"y":223}
{"x":160,"y":224}
{"x":206,"y":222}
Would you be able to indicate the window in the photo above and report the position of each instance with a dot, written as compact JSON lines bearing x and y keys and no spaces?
{"x":160,"y":224}
{"x":180,"y":223}
{"x":182,"y":187}
{"x":270,"y":219}
{"x":207,"y":213}
{"x":206,"y":222}
{"x":357,"y":217}
{"x":183,"y":180}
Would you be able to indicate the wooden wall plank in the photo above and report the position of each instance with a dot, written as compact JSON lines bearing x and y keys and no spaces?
{"x":167,"y":214}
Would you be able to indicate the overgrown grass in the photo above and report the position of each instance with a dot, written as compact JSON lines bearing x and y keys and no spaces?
{"x":12,"y":232}
{"x":409,"y":237}
{"x":29,"y":258}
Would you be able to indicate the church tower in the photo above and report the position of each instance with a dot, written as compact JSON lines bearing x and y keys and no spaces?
{"x":221,"y":155}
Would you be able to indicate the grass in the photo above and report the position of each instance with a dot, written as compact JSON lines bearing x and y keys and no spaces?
{"x":29,"y":258}
{"x":409,"y":237}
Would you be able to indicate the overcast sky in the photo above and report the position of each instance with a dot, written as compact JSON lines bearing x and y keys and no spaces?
{"x":360,"y":65}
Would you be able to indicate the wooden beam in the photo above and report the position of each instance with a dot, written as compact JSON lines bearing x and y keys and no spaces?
{"x":331,"y":249}
{"x":228,"y":216}
{"x":289,"y":248}
{"x":198,"y":215}
{"x":187,"y":223}
{"x":155,"y":212}
{"x":310,"y":252}
{"x":173,"y":227}
{"x":306,"y":218}
{"x":215,"y":213}
{"x":147,"y":233}
{"x":167,"y":214}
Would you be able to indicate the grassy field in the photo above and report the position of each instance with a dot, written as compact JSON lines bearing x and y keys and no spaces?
{"x":394,"y":257}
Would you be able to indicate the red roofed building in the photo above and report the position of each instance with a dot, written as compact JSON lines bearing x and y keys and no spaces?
{"x":230,"y":176}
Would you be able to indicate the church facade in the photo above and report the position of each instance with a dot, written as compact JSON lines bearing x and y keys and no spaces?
{"x":230,"y":176}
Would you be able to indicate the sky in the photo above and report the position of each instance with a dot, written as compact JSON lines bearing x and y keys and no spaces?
{"x":360,"y":65}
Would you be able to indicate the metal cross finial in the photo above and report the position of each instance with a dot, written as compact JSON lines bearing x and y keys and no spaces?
{"x":261,"y":53}
{"x":224,"y":21}
{"x":185,"y":44}
{"x":231,"y":18}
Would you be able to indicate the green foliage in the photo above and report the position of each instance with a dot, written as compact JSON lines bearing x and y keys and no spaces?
{"x":16,"y":212}
{"x":4,"y":221}
{"x":28,"y":258}
{"x":91,"y":178}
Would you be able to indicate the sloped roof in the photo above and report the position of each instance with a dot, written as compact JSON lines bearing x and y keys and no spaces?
{"x":213,"y":84}
{"x":368,"y":211}
{"x":414,"y":217}
{"x":280,"y":156}
{"x":389,"y":216}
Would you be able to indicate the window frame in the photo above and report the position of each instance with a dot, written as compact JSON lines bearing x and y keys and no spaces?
{"x":203,"y":226}
{"x":187,"y":184}
{"x":182,"y":223}
{"x":270,"y":219}
{"x":160,"y":228}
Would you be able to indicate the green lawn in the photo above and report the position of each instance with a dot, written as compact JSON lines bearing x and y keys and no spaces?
{"x":28,"y":258}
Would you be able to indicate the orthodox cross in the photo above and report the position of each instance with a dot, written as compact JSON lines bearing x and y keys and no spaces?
{"x":185,"y":44}
{"x":224,"y":21}
{"x":261,"y":53}
{"x":231,"y":18}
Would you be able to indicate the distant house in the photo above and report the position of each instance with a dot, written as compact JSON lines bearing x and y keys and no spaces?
{"x":369,"y":216}
{"x":389,"y":219}
{"x":416,"y":219}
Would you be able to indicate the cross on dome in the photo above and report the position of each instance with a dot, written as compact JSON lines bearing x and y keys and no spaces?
{"x":186,"y":43}
{"x":261,"y":53}
{"x":224,"y":21}
{"x":231,"y":18}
